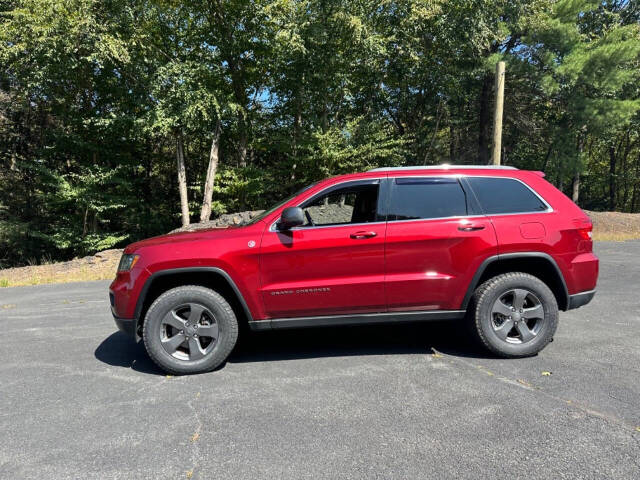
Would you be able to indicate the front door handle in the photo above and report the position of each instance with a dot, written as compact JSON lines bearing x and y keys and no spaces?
{"x":363,"y":235}
{"x":470,"y":228}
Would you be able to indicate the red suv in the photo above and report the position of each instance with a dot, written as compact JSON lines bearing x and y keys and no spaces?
{"x":497,"y":247}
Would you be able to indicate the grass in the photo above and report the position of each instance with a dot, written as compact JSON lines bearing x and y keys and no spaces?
{"x":38,"y":278}
{"x":605,"y":236}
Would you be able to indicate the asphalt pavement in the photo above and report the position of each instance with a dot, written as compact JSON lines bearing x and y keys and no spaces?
{"x":80,"y":400}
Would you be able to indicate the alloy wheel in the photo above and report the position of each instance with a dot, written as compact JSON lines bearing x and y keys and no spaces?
{"x":517,"y":316}
{"x":189,"y":332}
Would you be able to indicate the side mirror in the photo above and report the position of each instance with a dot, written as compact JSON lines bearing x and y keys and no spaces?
{"x":291,"y":217}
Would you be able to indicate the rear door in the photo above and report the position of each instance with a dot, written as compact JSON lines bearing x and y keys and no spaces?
{"x":436,"y":240}
{"x":334,"y":264}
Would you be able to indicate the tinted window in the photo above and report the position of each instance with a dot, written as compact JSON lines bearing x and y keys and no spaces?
{"x":354,"y":204}
{"x":505,"y":195}
{"x":415,"y":198}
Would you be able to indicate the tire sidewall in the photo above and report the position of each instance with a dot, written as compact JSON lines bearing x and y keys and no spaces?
{"x":498,"y":287}
{"x":224,"y":317}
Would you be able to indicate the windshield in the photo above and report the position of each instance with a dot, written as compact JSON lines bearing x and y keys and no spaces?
{"x":278,"y":205}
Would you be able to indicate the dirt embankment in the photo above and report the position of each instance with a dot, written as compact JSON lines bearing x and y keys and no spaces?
{"x":607,"y":226}
{"x":101,"y":266}
{"x":615,"y":226}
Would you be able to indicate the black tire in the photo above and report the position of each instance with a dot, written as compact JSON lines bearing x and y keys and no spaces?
{"x":509,"y":331}
{"x":216,"y":323}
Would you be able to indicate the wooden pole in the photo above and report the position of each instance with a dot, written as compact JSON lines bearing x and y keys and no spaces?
{"x":497,"y":117}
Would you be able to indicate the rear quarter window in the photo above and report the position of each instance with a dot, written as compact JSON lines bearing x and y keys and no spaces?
{"x":505,"y":195}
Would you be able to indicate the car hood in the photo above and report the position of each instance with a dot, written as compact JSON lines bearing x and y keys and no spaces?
{"x":181,"y":237}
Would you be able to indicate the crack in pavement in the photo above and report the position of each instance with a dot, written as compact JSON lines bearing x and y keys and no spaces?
{"x":195,"y":454}
{"x":534,"y":388}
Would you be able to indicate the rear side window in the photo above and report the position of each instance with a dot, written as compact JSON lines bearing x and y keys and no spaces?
{"x":422,"y":198}
{"x":505,"y":195}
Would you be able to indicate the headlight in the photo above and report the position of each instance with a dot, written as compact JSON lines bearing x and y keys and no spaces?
{"x":127,"y":262}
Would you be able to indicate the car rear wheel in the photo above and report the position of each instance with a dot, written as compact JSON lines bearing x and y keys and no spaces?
{"x":514,"y":314}
{"x":190,"y":329}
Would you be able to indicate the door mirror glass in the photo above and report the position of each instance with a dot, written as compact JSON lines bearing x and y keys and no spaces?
{"x":291,"y":217}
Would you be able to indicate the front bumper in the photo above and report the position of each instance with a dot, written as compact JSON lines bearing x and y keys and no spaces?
{"x":128,"y":326}
{"x":579,"y":299}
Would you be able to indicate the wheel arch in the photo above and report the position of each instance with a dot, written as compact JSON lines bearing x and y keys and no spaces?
{"x":209,"y":277}
{"x":538,"y":264}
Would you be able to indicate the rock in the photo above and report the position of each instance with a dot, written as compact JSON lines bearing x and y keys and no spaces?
{"x":224,"y":220}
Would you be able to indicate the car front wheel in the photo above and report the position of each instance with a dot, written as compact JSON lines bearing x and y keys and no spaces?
{"x":190,"y":329}
{"x":514,"y":314}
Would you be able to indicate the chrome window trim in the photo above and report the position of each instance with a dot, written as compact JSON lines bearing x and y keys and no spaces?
{"x":272,"y":227}
{"x":549,"y":209}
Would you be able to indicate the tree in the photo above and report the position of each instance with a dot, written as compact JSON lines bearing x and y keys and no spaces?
{"x":588,"y":57}
{"x":119,"y":120}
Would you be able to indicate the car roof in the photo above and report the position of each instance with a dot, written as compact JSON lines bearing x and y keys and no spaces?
{"x":444,"y":167}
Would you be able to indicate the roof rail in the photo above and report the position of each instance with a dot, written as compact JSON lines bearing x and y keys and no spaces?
{"x":445,"y":166}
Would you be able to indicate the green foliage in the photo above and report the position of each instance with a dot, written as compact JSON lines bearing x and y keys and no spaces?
{"x":94,"y":95}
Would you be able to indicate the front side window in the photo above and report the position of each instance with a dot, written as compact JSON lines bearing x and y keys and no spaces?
{"x":424,"y":198}
{"x":505,"y":195}
{"x":269,"y":211}
{"x":352,"y":204}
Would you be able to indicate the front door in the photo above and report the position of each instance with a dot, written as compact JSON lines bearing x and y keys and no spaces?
{"x":436,"y":240}
{"x":334,"y":263}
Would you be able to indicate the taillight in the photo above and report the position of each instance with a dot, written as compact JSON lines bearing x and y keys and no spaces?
{"x":584,"y":227}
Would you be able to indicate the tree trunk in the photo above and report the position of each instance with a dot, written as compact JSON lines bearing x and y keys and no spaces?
{"x":483,"y":132}
{"x":297,"y":127}
{"x":324,"y":118}
{"x":575,"y":186}
{"x":634,"y":194}
{"x":84,"y":224}
{"x":546,"y":158}
{"x":182,"y":180}
{"x":612,"y":178}
{"x":240,"y":96}
{"x":205,"y":212}
{"x":242,"y":147}
{"x":439,"y":111}
{"x":453,"y":145}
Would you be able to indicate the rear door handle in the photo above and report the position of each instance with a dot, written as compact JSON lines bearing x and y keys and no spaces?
{"x":363,"y":235}
{"x":470,"y":228}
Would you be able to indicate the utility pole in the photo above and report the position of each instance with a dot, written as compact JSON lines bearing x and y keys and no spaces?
{"x":497,"y":117}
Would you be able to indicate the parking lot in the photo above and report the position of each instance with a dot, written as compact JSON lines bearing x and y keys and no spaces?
{"x":80,"y":400}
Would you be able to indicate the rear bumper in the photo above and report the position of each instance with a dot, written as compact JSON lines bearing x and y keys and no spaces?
{"x":128,"y":326}
{"x":579,"y":299}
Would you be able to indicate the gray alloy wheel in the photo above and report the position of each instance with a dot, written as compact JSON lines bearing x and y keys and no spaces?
{"x":514,"y":314}
{"x":189,"y":329}
{"x":517,"y":316}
